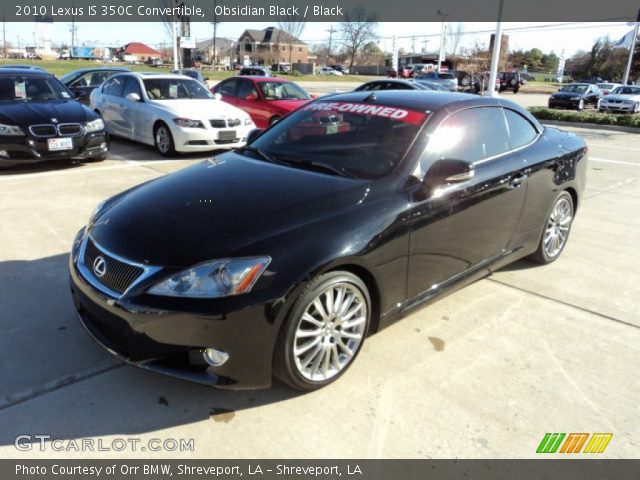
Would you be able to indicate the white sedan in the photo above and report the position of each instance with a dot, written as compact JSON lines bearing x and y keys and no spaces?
{"x":172,"y":112}
{"x":328,"y":71}
{"x":625,"y":98}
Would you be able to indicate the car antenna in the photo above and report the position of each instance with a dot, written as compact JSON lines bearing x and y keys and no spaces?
{"x":370,"y":98}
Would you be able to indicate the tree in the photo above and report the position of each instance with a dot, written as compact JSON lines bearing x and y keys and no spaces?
{"x":358,"y":27}
{"x":292,"y":25}
{"x":455,"y":37}
{"x":550,"y":62}
{"x":533,"y":58}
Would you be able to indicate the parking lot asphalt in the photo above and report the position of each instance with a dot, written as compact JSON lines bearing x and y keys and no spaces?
{"x":483,"y":373}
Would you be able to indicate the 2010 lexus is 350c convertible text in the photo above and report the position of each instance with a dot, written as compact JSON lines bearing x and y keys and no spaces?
{"x":279,"y":258}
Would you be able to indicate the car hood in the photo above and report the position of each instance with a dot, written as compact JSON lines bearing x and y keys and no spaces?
{"x":199,"y":108}
{"x":287,"y":105}
{"x":218,"y":207}
{"x":25,"y":113}
{"x":633,"y":98}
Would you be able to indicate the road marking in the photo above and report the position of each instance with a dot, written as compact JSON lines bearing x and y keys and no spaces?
{"x":129,"y":163}
{"x":618,"y":162}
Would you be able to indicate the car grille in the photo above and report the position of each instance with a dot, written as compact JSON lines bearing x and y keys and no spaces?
{"x":222,"y":123}
{"x":64,"y":130}
{"x":118,"y":275}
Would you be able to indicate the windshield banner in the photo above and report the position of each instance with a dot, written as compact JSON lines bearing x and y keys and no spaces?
{"x":394,"y":113}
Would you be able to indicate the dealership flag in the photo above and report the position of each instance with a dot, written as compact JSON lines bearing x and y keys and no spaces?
{"x":625,"y":42}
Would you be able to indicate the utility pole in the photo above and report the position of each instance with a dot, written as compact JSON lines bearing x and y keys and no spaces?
{"x":73,"y":29}
{"x":215,"y":25}
{"x":330,"y":40}
{"x":631,"y":50}
{"x":413,"y":45}
{"x":495,"y":56}
{"x":425,"y":42}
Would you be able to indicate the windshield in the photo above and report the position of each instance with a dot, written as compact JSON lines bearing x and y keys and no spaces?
{"x":282,"y":91}
{"x":360,"y":140}
{"x":627,"y":91}
{"x":606,"y":86}
{"x":574,"y":88}
{"x":31,"y":88}
{"x":175,"y":89}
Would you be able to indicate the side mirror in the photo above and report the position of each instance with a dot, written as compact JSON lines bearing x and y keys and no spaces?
{"x":313,"y":97}
{"x":217,"y":96}
{"x":80,"y":94}
{"x":206,"y":79}
{"x":134,"y":97}
{"x":447,"y":172}
{"x":252,"y":96}
{"x":253,"y":134}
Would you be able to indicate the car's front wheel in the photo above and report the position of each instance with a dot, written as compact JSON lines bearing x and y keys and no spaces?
{"x":581,"y":104}
{"x":324,"y":331}
{"x":164,"y":140}
{"x":636,"y":107}
{"x":556,"y":230}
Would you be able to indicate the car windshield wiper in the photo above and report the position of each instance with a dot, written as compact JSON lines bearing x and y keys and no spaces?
{"x":327,"y":167}
{"x":260,"y":153}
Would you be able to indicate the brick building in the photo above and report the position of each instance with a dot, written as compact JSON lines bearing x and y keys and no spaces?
{"x":270,"y":46}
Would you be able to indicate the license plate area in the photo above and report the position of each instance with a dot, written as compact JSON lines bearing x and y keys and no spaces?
{"x":227,"y":135}
{"x":57,"y":144}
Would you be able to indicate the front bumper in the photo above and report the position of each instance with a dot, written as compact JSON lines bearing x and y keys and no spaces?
{"x":167,"y":335}
{"x":207,"y":139}
{"x":28,"y":149}
{"x":617,"y":107}
{"x":564,"y":103}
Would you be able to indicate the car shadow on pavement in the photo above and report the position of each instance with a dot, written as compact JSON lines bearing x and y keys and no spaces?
{"x":57,"y":380}
{"x":30,"y":168}
{"x":125,"y":149}
{"x":522,"y":264}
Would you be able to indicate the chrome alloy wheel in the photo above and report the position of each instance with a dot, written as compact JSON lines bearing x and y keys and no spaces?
{"x":558,"y":225}
{"x":330,"y":331}
{"x":163,"y":139}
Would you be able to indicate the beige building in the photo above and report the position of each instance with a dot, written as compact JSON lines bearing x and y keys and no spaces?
{"x":270,"y":46}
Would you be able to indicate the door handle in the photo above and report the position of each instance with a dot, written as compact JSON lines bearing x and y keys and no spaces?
{"x":517,"y":180}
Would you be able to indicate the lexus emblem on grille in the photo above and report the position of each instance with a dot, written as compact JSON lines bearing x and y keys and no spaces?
{"x":99,"y":267}
{"x":54,"y":120}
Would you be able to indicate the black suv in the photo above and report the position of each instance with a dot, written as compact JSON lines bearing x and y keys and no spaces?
{"x":510,"y":81}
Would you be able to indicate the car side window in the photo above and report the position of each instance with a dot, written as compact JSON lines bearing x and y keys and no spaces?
{"x":521,"y":131}
{"x":114,"y":86}
{"x":246,"y":88}
{"x":470,"y":135}
{"x":228,"y":88}
{"x":132,"y":86}
{"x":82,"y":81}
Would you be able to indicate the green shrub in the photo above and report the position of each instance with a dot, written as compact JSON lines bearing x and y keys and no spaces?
{"x":622,"y":119}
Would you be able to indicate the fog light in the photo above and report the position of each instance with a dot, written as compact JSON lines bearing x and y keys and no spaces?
{"x":215,"y":357}
{"x":4,"y":153}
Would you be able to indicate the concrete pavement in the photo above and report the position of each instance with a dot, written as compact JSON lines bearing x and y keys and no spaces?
{"x":483,"y":373}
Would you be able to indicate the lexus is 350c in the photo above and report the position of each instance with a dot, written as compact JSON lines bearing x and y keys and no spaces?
{"x":279,"y":258}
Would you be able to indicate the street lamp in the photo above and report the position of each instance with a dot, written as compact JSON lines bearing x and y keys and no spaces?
{"x":442,"y":35}
{"x":495,"y":57}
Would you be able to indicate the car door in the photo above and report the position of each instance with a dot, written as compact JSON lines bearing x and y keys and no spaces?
{"x":109,"y":103}
{"x":460,"y":227}
{"x":249,"y":100}
{"x":227,"y":89}
{"x":136,"y":119}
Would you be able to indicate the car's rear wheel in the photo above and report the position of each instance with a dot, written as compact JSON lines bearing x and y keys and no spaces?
{"x":556,"y":230}
{"x":324,"y":331}
{"x":164,"y":140}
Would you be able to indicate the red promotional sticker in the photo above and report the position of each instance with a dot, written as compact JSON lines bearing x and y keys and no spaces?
{"x":395,"y":113}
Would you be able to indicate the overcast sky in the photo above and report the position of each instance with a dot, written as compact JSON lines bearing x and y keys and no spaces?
{"x":546,"y":36}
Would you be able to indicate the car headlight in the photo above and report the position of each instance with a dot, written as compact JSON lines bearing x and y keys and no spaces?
{"x":248,"y":121}
{"x":94,"y":125}
{"x":218,"y":278}
{"x":10,"y":130}
{"x":188,"y":123}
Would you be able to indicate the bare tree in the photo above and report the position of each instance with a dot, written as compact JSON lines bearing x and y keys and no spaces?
{"x":357,"y":28}
{"x":456,"y":32}
{"x":292,"y":25}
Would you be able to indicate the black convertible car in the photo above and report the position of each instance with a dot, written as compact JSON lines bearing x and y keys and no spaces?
{"x":576,"y":96}
{"x":279,"y":258}
{"x":40,"y":120}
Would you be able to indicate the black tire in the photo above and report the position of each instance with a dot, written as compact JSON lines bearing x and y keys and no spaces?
{"x":163,"y":140}
{"x":273,"y":120}
{"x":542,"y":255}
{"x":101,"y":158}
{"x":285,"y":367}
{"x":515,"y":90}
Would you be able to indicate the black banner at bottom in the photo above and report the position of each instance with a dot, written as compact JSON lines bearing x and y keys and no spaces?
{"x":547,"y":469}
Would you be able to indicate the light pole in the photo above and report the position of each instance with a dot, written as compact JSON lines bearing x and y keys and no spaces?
{"x":442,"y":36}
{"x":631,"y":49}
{"x":495,"y":56}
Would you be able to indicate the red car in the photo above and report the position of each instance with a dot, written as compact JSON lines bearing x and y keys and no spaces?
{"x":266,"y":99}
